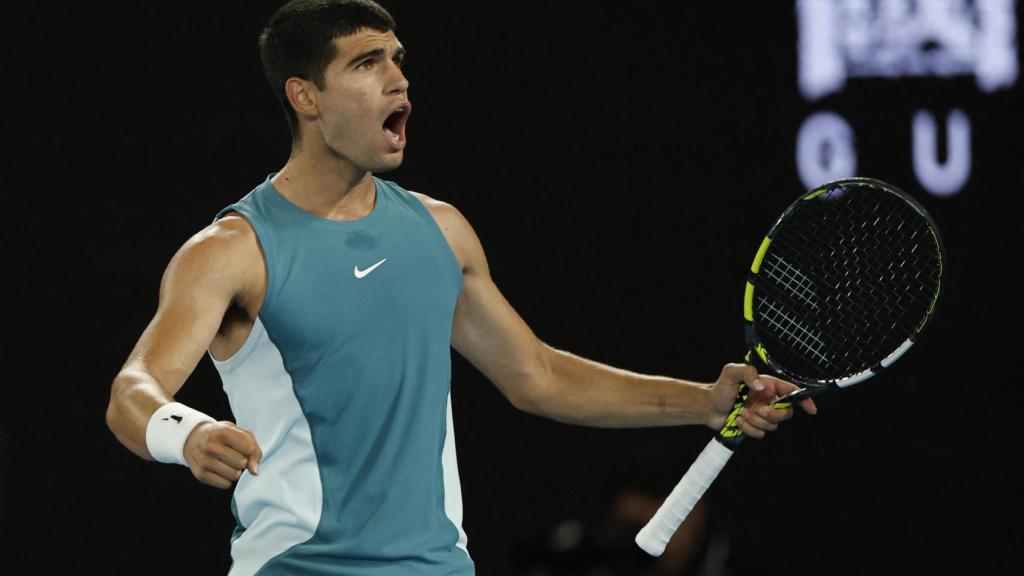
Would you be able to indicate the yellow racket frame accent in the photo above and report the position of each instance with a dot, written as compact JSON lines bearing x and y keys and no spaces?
{"x":748,"y":297}
{"x":756,"y":266}
{"x":730,"y":429}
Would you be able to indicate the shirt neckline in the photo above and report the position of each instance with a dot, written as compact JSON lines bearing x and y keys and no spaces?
{"x":379,"y":211}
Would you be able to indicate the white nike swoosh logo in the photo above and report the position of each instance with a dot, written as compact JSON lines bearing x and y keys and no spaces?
{"x":361,"y":273}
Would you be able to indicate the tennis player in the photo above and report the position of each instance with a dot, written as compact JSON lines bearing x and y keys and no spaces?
{"x":329,"y":300}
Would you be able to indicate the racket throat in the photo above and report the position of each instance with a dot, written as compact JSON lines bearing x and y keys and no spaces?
{"x":798,"y":395}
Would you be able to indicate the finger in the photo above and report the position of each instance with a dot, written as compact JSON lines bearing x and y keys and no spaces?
{"x":225,"y":471}
{"x":748,"y":374}
{"x":772,"y":414}
{"x":758,"y":419}
{"x":230,"y":457}
{"x":241,"y":440}
{"x":809,"y":406}
{"x":216,"y":474}
{"x":749,"y":430}
{"x":776,"y":386}
{"x":253,"y":464}
{"x":737,"y":374}
{"x":215,"y":481}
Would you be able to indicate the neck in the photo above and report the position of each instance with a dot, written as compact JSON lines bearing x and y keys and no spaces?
{"x":326,"y":186}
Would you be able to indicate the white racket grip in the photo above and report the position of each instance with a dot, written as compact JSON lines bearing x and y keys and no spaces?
{"x":659,"y":530}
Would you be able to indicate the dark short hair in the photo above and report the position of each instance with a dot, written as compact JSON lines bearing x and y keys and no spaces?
{"x":299,"y":41}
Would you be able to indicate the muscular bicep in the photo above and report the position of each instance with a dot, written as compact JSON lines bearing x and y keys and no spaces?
{"x":202,"y":280}
{"x":489,"y":333}
{"x":486,"y":330}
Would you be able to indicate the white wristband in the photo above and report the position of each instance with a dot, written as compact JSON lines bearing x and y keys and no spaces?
{"x":168,"y":429}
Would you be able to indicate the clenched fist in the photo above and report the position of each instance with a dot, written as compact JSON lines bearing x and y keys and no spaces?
{"x":218,"y":453}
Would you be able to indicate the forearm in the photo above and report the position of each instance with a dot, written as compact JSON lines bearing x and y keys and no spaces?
{"x":134,"y":397}
{"x":580,"y":391}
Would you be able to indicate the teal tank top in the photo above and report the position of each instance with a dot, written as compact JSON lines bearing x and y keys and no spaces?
{"x":344,"y":381}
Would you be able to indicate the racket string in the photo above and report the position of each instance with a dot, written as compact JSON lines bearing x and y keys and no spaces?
{"x":781,"y":271}
{"x":845,"y":281}
{"x":778,"y":321}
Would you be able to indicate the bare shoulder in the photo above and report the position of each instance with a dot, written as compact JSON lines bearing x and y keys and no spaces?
{"x":228,"y":239}
{"x":457,"y":230}
{"x":448,"y":216}
{"x":224,"y":256}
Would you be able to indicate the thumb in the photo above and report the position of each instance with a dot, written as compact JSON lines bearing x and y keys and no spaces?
{"x":751,"y":378}
{"x":742,"y":374}
{"x":253,"y":462}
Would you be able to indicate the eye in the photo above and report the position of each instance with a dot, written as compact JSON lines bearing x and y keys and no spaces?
{"x":399,"y":60}
{"x":365,"y":65}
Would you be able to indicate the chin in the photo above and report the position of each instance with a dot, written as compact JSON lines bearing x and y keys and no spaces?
{"x":388,"y":164}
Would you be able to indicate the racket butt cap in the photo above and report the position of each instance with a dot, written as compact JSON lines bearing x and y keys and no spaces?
{"x":648,"y":544}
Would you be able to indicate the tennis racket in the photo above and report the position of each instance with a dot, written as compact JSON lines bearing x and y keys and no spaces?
{"x":841,"y":287}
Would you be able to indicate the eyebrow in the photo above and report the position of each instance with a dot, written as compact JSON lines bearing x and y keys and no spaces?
{"x":375,"y":53}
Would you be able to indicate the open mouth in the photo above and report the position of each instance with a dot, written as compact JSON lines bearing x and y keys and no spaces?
{"x":394,"y":124}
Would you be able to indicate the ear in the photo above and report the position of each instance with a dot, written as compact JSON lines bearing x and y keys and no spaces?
{"x":302,"y":95}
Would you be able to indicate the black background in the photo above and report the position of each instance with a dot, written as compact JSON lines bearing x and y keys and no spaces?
{"x":620,"y":163}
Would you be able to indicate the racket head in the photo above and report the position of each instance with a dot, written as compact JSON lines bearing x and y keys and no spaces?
{"x":843,"y":283}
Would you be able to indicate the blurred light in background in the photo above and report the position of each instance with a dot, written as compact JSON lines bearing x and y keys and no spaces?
{"x":840,"y":41}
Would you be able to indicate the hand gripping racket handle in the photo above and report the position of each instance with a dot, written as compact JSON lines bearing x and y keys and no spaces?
{"x":656,"y":534}
{"x":659,"y":530}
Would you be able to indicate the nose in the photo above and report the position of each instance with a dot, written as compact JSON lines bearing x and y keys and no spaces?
{"x":399,"y":83}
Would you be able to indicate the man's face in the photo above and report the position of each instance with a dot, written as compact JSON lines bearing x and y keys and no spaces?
{"x":364,"y":105}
